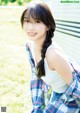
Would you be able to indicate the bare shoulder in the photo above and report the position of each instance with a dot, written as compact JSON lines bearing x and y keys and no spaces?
{"x":58,"y":61}
{"x":54,"y":52}
{"x":52,"y":55}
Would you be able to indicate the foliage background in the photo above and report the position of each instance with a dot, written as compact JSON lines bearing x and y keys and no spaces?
{"x":13,"y":2}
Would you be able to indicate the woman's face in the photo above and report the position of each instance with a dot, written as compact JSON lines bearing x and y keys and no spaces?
{"x":35,"y":29}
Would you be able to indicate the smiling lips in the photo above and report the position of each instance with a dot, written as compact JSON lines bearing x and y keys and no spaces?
{"x":32,"y":33}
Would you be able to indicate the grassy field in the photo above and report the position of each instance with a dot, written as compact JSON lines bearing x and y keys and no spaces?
{"x":14,"y":64}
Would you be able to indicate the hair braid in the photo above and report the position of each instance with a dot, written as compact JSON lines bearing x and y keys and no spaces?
{"x":46,"y":44}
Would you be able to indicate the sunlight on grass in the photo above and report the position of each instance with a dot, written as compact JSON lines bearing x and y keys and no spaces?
{"x":14,"y":64}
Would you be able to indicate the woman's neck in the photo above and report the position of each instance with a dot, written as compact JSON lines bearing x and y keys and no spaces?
{"x":38,"y":44}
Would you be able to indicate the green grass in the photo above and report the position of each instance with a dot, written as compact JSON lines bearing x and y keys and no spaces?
{"x":14,"y":64}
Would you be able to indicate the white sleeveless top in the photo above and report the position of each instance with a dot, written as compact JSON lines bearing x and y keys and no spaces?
{"x":52,"y":78}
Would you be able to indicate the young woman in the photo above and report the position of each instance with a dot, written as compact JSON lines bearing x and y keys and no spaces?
{"x":51,"y":68}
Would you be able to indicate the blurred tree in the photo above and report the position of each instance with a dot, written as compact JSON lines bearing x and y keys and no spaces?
{"x":3,"y":2}
{"x":12,"y":0}
{"x":19,"y":2}
{"x":28,"y":0}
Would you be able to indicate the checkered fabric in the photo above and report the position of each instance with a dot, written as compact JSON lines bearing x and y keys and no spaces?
{"x":69,"y":102}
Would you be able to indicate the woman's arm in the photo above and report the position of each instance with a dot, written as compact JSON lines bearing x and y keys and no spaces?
{"x":57,"y":61}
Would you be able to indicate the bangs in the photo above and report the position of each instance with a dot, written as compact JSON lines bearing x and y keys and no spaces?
{"x":40,"y":12}
{"x":32,"y":13}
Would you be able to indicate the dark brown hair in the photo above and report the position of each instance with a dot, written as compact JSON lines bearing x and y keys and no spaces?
{"x":41,"y":11}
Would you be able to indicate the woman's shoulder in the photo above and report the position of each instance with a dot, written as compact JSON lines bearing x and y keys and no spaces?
{"x":54,"y":51}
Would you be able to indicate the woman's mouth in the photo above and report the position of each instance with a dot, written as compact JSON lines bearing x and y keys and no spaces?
{"x":32,"y":33}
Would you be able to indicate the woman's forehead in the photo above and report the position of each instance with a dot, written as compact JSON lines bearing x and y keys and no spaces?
{"x":31,"y":14}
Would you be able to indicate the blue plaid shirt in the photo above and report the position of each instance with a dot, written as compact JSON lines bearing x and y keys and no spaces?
{"x":69,"y":102}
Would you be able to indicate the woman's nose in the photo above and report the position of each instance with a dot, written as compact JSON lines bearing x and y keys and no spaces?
{"x":31,"y":26}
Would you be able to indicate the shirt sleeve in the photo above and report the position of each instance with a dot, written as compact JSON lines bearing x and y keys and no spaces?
{"x":37,"y":95}
{"x":69,"y":102}
{"x":64,"y":104}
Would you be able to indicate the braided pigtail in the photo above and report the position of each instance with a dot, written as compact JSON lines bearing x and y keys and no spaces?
{"x":46,"y":44}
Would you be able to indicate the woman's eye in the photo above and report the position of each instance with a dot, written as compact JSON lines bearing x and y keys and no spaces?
{"x":26,"y":20}
{"x":37,"y":21}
